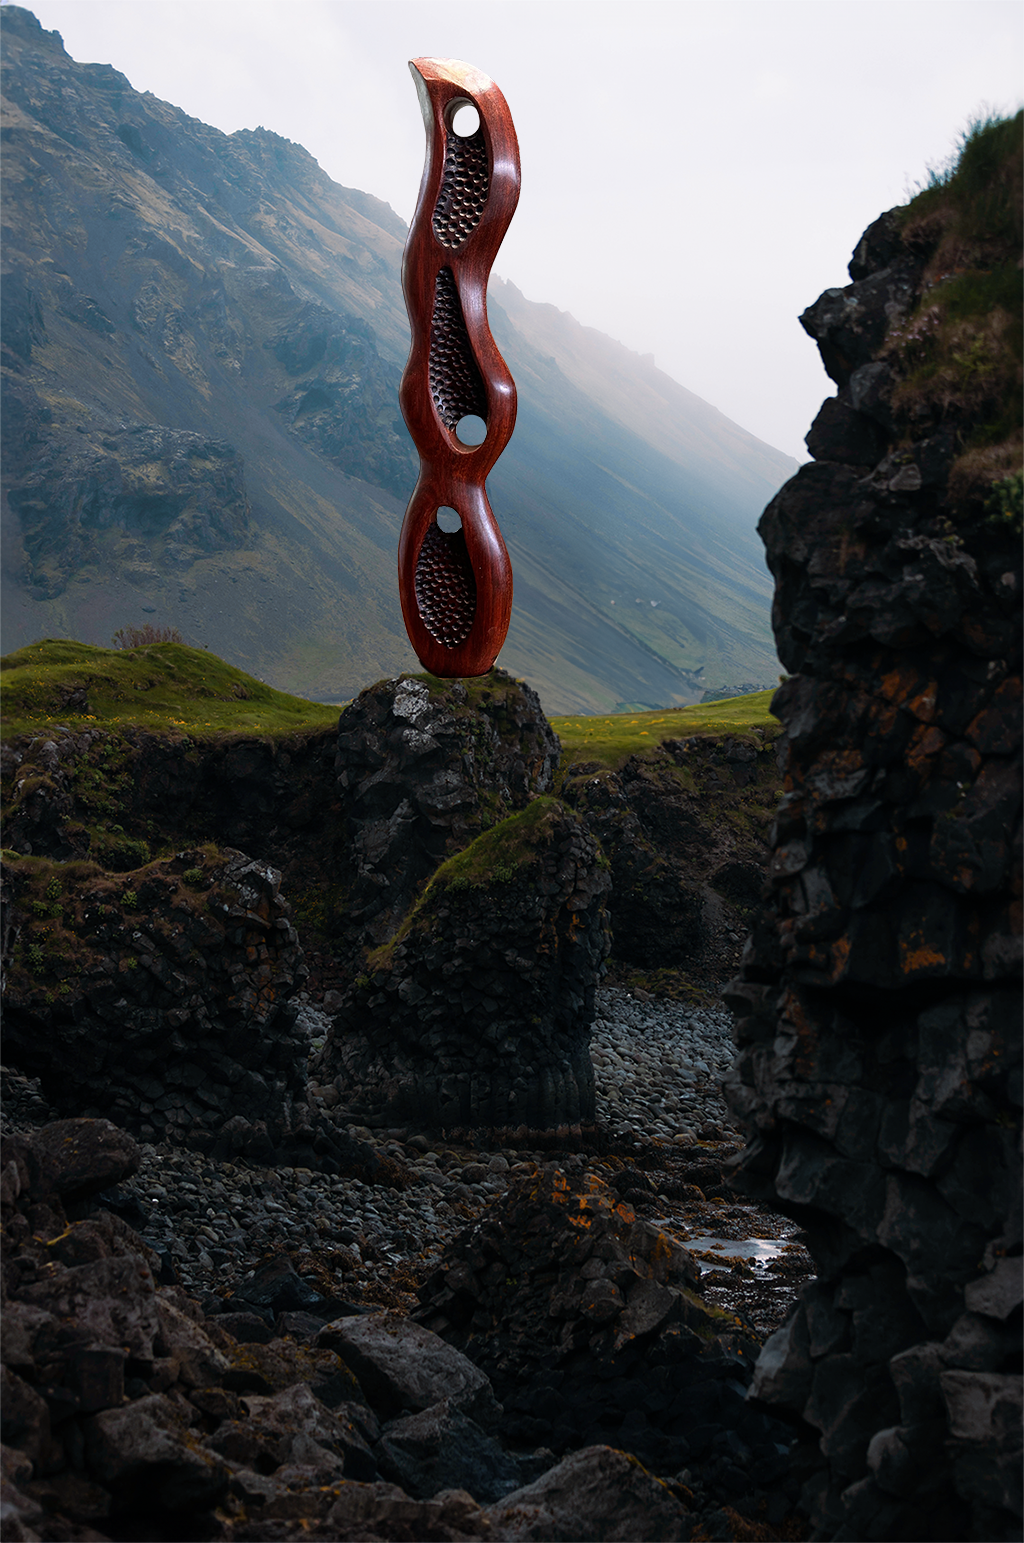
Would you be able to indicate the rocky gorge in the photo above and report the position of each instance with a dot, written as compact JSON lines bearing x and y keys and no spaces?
{"x":316,"y":1143}
{"x":401,"y":1299}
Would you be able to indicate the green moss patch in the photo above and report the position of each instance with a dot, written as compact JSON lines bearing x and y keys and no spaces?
{"x":75,"y":916}
{"x":500,"y":855}
{"x":163,"y":687}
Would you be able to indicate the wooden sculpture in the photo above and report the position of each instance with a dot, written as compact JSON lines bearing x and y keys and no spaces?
{"x":456,"y":583}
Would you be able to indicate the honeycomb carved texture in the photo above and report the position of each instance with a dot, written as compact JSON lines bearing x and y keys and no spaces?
{"x":456,"y":384}
{"x":464,"y":185}
{"x":445,"y":586}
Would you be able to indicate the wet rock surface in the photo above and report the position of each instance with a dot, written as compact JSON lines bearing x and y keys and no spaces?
{"x":878,"y":1006}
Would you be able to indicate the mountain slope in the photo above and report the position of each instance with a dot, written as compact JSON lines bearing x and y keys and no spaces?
{"x":203,"y":337}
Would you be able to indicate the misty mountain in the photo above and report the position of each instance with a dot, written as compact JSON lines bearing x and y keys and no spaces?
{"x":203,"y":336}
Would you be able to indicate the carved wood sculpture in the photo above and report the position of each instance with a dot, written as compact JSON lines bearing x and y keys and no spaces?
{"x":456,"y":584}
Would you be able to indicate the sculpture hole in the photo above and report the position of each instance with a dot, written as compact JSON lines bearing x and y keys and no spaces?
{"x":471,"y":430}
{"x":448,"y":520}
{"x":465,"y":120}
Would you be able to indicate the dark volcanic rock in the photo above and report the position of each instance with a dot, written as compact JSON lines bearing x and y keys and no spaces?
{"x":479,"y":1014}
{"x":173,"y":1013}
{"x":73,"y":1159}
{"x":685,"y":829}
{"x":878,"y":1007}
{"x":423,"y":766}
{"x":590,"y":1325}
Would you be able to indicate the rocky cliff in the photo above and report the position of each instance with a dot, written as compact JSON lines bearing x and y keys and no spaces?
{"x":202,"y":342}
{"x":878,"y":1006}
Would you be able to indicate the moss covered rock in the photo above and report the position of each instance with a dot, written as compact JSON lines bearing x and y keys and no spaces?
{"x":478,"y":1013}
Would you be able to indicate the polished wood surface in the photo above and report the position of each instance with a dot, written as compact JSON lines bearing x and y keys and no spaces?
{"x":456,"y":586}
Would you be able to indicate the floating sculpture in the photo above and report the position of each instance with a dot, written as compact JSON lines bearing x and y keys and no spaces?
{"x":454,"y":574}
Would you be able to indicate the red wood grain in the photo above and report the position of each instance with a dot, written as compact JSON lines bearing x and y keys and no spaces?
{"x":456,"y":589}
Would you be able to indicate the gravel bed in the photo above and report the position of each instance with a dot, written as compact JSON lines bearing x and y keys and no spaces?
{"x":658,"y":1067}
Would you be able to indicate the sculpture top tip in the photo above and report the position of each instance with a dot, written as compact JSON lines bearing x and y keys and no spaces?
{"x":456,"y":71}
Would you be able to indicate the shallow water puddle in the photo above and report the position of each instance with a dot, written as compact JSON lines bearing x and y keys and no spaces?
{"x":755,"y":1250}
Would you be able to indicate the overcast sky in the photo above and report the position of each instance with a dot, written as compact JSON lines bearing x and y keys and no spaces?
{"x":695,"y":172}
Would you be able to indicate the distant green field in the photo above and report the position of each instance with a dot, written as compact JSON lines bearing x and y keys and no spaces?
{"x":609,"y":740}
{"x":162,"y":687}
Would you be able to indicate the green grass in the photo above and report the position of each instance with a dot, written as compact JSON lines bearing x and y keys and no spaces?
{"x":163,"y":687}
{"x":611,"y":740}
{"x":958,"y":355}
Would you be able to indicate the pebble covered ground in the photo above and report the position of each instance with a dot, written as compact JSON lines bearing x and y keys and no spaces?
{"x":658,"y":1068}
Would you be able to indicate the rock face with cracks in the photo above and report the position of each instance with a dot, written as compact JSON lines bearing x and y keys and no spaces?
{"x":479,"y":1013}
{"x":422,"y":769}
{"x":878,"y":1006}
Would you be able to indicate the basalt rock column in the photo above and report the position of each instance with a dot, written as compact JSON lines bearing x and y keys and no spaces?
{"x":478,"y":1014}
{"x":878,"y":1006}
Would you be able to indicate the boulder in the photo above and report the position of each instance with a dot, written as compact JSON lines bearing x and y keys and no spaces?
{"x":442,"y":1448}
{"x":173,"y":1012}
{"x":145,"y":1451}
{"x":72,"y":1159}
{"x":597,"y":1493}
{"x":402,"y":1367}
{"x":294,"y":1428}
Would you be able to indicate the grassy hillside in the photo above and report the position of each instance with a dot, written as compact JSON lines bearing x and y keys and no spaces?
{"x":162,"y":686}
{"x":168,"y":686}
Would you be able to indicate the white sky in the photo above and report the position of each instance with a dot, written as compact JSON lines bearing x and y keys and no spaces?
{"x":695,"y":172}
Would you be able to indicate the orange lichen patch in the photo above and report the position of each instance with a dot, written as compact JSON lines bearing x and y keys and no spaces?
{"x":925,"y":742}
{"x":923,"y":704}
{"x":839,"y":958}
{"x":897,"y":685}
{"x":997,"y":726}
{"x":917,"y":956}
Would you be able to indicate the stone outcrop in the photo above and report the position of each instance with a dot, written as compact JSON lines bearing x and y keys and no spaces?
{"x":479,"y":1012}
{"x":590,"y":1324}
{"x":343,"y":396}
{"x":878,"y":1006}
{"x":685,"y":829}
{"x":423,"y":766}
{"x":149,"y":488}
{"x":162,"y":999}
